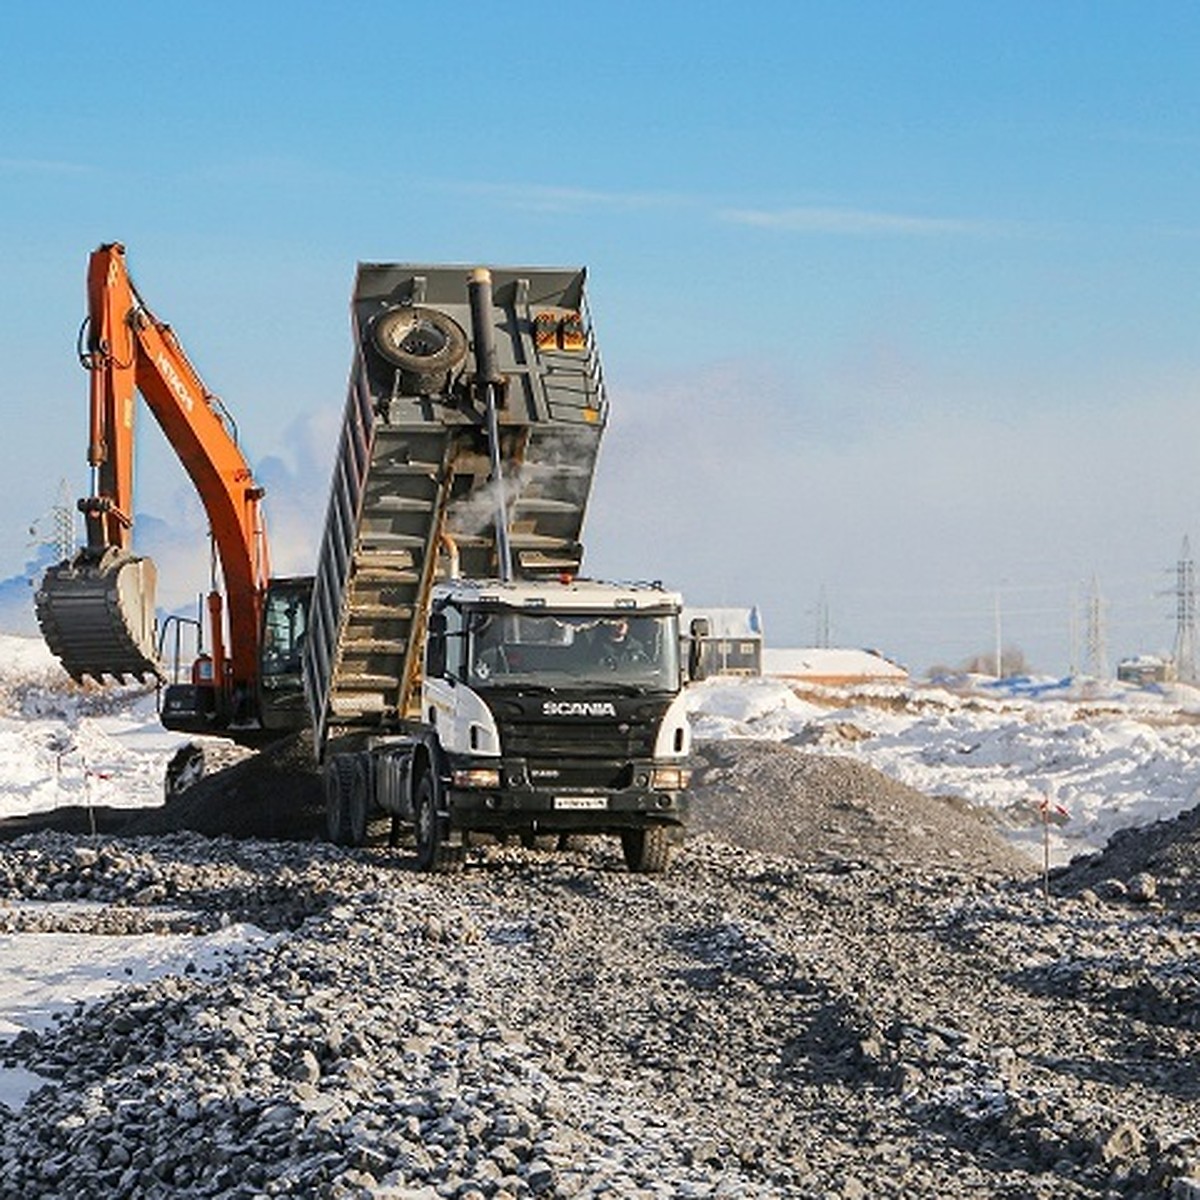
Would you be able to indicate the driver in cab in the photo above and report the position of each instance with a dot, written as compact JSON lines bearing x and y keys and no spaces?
{"x":617,"y":646}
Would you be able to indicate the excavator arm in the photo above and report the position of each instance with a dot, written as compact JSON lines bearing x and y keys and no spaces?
{"x":97,"y":610}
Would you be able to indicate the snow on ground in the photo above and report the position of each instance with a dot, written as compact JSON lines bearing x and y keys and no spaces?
{"x":1090,"y":759}
{"x":1071,"y":762}
{"x":48,"y":973}
{"x":1093,"y":759}
{"x":64,"y":744}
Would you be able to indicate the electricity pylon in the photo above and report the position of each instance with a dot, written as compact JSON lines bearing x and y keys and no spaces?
{"x":1097,"y":642}
{"x":61,"y":522}
{"x":1185,"y":615}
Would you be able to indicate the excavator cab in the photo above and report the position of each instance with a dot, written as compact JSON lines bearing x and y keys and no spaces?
{"x":281,"y":703}
{"x":206,"y":703}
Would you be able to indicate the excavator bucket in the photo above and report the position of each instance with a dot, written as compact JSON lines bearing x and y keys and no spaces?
{"x":97,"y":616}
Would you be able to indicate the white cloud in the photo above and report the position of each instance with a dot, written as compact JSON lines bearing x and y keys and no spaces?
{"x":550,"y":198}
{"x":41,"y":166}
{"x":855,"y":222}
{"x":733,"y":490}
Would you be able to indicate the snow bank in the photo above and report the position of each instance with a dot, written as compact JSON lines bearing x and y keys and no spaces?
{"x":64,"y":744}
{"x":1073,"y":763}
{"x":46,"y":974}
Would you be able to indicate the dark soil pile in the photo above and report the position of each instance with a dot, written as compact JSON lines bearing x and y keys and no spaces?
{"x":276,"y":794}
{"x":780,"y":800}
{"x":1155,"y":862}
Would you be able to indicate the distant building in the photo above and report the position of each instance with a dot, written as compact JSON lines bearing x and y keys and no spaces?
{"x":1146,"y":668}
{"x":734,"y":642}
{"x":827,"y":667}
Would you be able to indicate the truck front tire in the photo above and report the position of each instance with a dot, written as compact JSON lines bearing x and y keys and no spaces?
{"x":647,"y":851}
{"x":433,"y":853}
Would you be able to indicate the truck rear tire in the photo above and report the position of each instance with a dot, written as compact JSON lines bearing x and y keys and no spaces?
{"x":339,"y":779}
{"x":647,"y":851}
{"x":433,"y":852}
{"x":358,"y":803}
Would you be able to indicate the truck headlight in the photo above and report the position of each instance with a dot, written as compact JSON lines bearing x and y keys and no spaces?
{"x":670,"y":779}
{"x":476,"y":777}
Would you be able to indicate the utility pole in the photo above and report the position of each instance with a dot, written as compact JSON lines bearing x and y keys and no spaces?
{"x":822,"y":620}
{"x":999,"y":640}
{"x":1185,"y":615}
{"x":1073,"y":631}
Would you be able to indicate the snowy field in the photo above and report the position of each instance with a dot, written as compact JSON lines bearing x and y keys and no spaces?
{"x":1093,"y":759}
{"x":1077,"y":763}
{"x":1074,"y":762}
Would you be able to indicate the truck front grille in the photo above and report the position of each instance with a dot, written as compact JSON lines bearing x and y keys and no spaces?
{"x":560,"y":739}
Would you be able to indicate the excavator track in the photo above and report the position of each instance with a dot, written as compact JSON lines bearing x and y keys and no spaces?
{"x":97,"y":616}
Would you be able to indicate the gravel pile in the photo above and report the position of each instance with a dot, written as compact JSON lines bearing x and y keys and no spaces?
{"x":1159,"y":862}
{"x":770,"y":797}
{"x":848,"y":1018}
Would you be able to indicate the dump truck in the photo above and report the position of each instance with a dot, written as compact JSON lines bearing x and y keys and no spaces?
{"x":462,"y":678}
{"x":457,"y":672}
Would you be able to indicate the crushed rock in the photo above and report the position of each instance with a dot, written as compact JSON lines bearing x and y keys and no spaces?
{"x":780,"y":800}
{"x":1153,"y":863}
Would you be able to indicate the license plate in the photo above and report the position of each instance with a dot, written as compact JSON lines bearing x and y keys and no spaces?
{"x":581,"y":802}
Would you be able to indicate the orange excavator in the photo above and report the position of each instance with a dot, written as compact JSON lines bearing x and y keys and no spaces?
{"x":97,"y":610}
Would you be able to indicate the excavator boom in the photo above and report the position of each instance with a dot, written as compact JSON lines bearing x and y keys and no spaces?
{"x":97,"y":609}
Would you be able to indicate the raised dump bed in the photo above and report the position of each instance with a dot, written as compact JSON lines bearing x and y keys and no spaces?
{"x":412,"y":483}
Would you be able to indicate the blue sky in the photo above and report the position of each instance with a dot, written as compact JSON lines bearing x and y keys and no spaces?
{"x":896,"y":300}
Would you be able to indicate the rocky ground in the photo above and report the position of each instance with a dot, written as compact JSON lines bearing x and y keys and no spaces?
{"x":842,"y":988}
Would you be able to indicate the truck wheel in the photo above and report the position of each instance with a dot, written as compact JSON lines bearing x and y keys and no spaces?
{"x":358,"y":803}
{"x":339,"y":779}
{"x":433,"y":854}
{"x":647,"y":851}
{"x":425,"y":344}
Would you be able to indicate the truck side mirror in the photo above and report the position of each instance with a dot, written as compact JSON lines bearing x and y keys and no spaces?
{"x":699,"y":632}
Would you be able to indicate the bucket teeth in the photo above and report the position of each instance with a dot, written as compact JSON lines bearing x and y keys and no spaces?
{"x":97,"y":616}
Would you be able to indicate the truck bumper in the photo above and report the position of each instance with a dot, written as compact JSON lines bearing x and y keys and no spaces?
{"x":563,"y":809}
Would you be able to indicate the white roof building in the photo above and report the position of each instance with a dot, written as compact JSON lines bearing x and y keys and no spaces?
{"x":831,"y":667}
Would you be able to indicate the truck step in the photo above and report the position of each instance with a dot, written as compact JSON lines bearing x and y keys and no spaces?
{"x":393,"y":504}
{"x":390,"y":542}
{"x":383,"y":560}
{"x":374,"y":614}
{"x":543,"y":504}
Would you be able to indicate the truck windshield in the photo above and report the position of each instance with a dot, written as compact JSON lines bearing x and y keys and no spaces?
{"x":574,"y":649}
